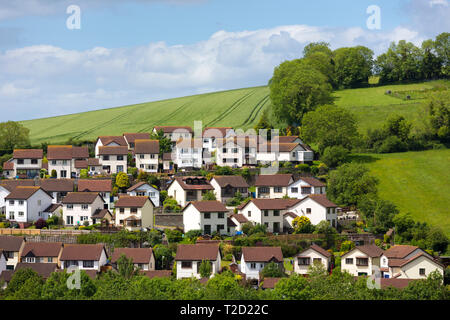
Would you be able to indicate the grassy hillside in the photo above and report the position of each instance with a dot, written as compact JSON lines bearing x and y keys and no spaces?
{"x":417,"y":182}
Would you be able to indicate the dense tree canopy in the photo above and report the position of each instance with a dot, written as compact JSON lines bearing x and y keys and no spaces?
{"x":353,"y":66}
{"x":13,"y":135}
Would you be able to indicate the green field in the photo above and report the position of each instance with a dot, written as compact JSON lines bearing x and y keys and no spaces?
{"x":417,"y":182}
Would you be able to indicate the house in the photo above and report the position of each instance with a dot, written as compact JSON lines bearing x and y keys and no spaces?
{"x":272,"y":186}
{"x":27,"y":204}
{"x":12,"y":247}
{"x":362,"y":260}
{"x":61,"y":159}
{"x":238,"y":220}
{"x":236,"y":151}
{"x":188,"y":153}
{"x":254,"y":259}
{"x":174,"y":133}
{"x":134,"y":212}
{"x":57,"y":188}
{"x":268,"y":212}
{"x":42,"y":269}
{"x":408,"y":262}
{"x":111,"y":141}
{"x":211,"y":134}
{"x":167,"y":161}
{"x":157,"y":273}
{"x":79,"y":207}
{"x":27,"y":163}
{"x":143,"y":258}
{"x":191,"y":188}
{"x":282,"y":152}
{"x":225,"y":187}
{"x":101,"y":215}
{"x":146,"y":153}
{"x":190,"y":256}
{"x":305,"y":186}
{"x":41,"y":252}
{"x":6,"y":186}
{"x":144,"y":189}
{"x":8,"y":169}
{"x":94,"y":167}
{"x":131,"y":138}
{"x":101,"y":186}
{"x":83,"y":256}
{"x":209,"y":216}
{"x":55,"y":209}
{"x":317,"y":208}
{"x":313,"y":255}
{"x":113,"y":159}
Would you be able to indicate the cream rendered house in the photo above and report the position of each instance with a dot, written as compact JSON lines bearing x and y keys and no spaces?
{"x":113,"y":159}
{"x":146,"y":153}
{"x":190,"y":256}
{"x":79,"y":207}
{"x":41,"y":252}
{"x":109,"y":141}
{"x":134,"y":212}
{"x":185,"y":189}
{"x":12,"y":247}
{"x":309,"y":257}
{"x":207,"y":216}
{"x":362,"y":260}
{"x":272,"y":186}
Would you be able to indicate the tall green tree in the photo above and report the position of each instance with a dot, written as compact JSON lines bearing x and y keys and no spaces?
{"x":13,"y":135}
{"x":165,"y":145}
{"x":442,"y":47}
{"x":353,"y":66}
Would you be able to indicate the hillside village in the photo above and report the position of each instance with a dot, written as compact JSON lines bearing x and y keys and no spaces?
{"x":126,"y":184}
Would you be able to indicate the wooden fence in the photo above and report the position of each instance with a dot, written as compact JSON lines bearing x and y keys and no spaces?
{"x":43,"y":232}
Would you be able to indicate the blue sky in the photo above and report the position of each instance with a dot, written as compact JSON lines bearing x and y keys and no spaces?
{"x":147,"y":50}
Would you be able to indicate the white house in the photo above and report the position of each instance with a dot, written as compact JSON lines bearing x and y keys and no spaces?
{"x":225,"y":187}
{"x":131,"y":138}
{"x":188,"y":153}
{"x":317,"y":208}
{"x":174,"y":133}
{"x":238,"y":219}
{"x":362,"y":260}
{"x":79,"y":207}
{"x":57,"y":188}
{"x":144,"y":189}
{"x":185,"y":189}
{"x":143,"y":258}
{"x":207,"y":216}
{"x":314,"y":254}
{"x":27,"y":163}
{"x":111,"y":141}
{"x":113,"y":158}
{"x":254,"y":259}
{"x":27,"y":204}
{"x":134,"y":212}
{"x":190,"y":256}
{"x":101,"y":186}
{"x":305,"y":186}
{"x":12,"y":247}
{"x":83,"y":256}
{"x":211,"y":134}
{"x":281,"y":152}
{"x":146,"y":153}
{"x":62,"y":160}
{"x":272,"y":186}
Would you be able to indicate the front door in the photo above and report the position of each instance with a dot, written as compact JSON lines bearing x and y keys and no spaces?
{"x":207,"y":229}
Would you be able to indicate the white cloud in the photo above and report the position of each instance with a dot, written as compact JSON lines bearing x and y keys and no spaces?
{"x":45,"y":80}
{"x":429,"y":17}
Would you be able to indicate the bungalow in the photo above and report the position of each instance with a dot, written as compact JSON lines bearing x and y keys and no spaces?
{"x":225,"y":187}
{"x":190,"y":256}
{"x":313,"y":255}
{"x":134,"y":212}
{"x":268,"y":212}
{"x":305,"y":186}
{"x":272,"y":186}
{"x":254,"y":259}
{"x":208,"y":216}
{"x":42,"y":269}
{"x":41,"y":252}
{"x":27,"y":204}
{"x":83,"y":256}
{"x":146,"y":153}
{"x":143,"y":258}
{"x":185,"y":189}
{"x":144,"y":189}
{"x":174,"y":133}
{"x":8,"y":169}
{"x":188,"y":153}
{"x":408,"y":262}
{"x":111,"y":141}
{"x":131,"y":138}
{"x":113,"y":159}
{"x":57,"y":188}
{"x":101,"y":186}
{"x":61,"y":159}
{"x":27,"y":163}
{"x":317,"y":208}
{"x":12,"y":246}
{"x":79,"y":207}
{"x":211,"y":134}
{"x":362,"y":260}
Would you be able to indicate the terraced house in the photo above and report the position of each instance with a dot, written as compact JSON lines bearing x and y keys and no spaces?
{"x":61,"y":160}
{"x":146,"y":154}
{"x":41,"y":252}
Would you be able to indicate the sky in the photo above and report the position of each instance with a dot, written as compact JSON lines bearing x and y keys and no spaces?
{"x":147,"y":50}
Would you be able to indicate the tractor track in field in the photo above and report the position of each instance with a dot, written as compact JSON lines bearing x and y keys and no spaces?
{"x":235,"y":104}
{"x":258,"y":107}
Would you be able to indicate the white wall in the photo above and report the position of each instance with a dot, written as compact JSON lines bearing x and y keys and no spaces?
{"x":77,"y":212}
{"x":148,"y":191}
{"x":318,"y":212}
{"x":299,"y":195}
{"x":32,"y":208}
{"x":147,"y":163}
{"x":193,"y":271}
{"x":353,"y":269}
{"x":312,"y":254}
{"x":195,"y":220}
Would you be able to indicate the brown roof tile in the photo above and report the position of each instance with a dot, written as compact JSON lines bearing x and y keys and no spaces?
{"x":41,"y":249}
{"x":131,"y":201}
{"x":189,"y":143}
{"x":42,"y":269}
{"x":233,"y":181}
{"x":157,"y":273}
{"x":318,"y":249}
{"x":262,"y":254}
{"x":274,"y":204}
{"x":53,"y":207}
{"x":82,"y":252}
{"x":81,"y":164}
{"x":208,"y":206}
{"x":22,"y":193}
{"x":8,"y":165}
{"x":197,"y":252}
{"x":287,"y":139}
{"x":137,"y":185}
{"x":139,"y":255}
{"x":95,"y":185}
{"x":239,"y":218}
{"x":113,"y":150}
{"x":371,"y":250}
{"x":11,"y":243}
{"x":322,"y":200}
{"x":194,"y":183}
{"x":120,"y":140}
{"x":93,"y":162}
{"x":280,"y":147}
{"x":269,"y":283}
{"x":313,"y":181}
{"x":399,"y":251}
{"x":10,"y":185}
{"x":100,"y":213}
{"x":273,"y":180}
{"x":396,"y":283}
{"x":6,"y":275}
{"x":146,"y":146}
{"x":57,"y":185}
{"x":132,"y":137}
{"x":28,"y":154}
{"x":216,"y":132}
{"x":59,"y":152}
{"x":80,"y":197}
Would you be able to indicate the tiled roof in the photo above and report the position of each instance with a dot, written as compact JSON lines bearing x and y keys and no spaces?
{"x":322,"y":200}
{"x":8,"y":165}
{"x":399,"y":251}
{"x":233,"y":181}
{"x":139,"y":255}
{"x":120,"y":140}
{"x":197,"y":252}
{"x":371,"y":250}
{"x":262,"y":254}
{"x":290,"y":214}
{"x":132,"y":137}
{"x":396,"y":283}
{"x":100,"y":213}
{"x":82,"y":252}
{"x":137,"y":186}
{"x":274,"y":204}
{"x":28,"y":153}
{"x":208,"y":206}
{"x":146,"y":146}
{"x":280,"y":147}
{"x":42,"y":249}
{"x":197,"y":183}
{"x":6,"y":275}
{"x":11,"y":243}
{"x":167,"y":156}
{"x":113,"y":150}
{"x":131,"y":201}
{"x":93,"y":162}
{"x":269,"y":283}
{"x":95,"y":185}
{"x":216,"y":132}
{"x":80,"y":197}
{"x":171,"y":129}
{"x":231,"y":223}
{"x":10,"y":185}
{"x":42,"y":269}
{"x":318,"y":249}
{"x":189,"y":143}
{"x":57,"y":185}
{"x":239,"y":218}
{"x":157,"y":273}
{"x":22,"y":193}
{"x":53,"y":207}
{"x":287,"y":139}
{"x":66,"y":152}
{"x":313,"y":181}
{"x":273,"y":180}
{"x":81,"y":164}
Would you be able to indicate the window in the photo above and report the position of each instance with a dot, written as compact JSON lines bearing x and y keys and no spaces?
{"x":253,"y":265}
{"x":221,"y":215}
{"x":30,"y":260}
{"x":207,"y":215}
{"x":39,"y":202}
{"x":349,"y":261}
{"x":308,"y":210}
{"x":63,"y":173}
{"x":207,"y":229}
{"x":186,"y":264}
{"x":224,"y":150}
{"x":152,"y":156}
{"x":11,"y":202}
{"x":133,"y":210}
{"x":69,"y":206}
{"x":266,"y":213}
{"x":303,"y":261}
{"x":294,"y":190}
{"x":220,"y":227}
{"x":249,"y":213}
{"x":106,"y":158}
{"x":119,"y":168}
{"x":64,"y":162}
{"x":69,"y":220}
{"x":422,"y":271}
{"x":142,"y":166}
{"x":235,"y":150}
{"x":50,"y":259}
{"x":11,"y":215}
{"x":362,"y":261}
{"x":293,"y":154}
{"x":122,"y":210}
{"x":362,"y":274}
{"x":306,"y":190}
{"x":119,"y":158}
{"x":21,"y":214}
{"x":84,"y":207}
{"x":263,"y":190}
{"x":278,"y":189}
{"x":141,"y":156}
{"x":20,"y":202}
{"x":54,"y":162}
{"x":276,"y":213}
{"x":151,"y":194}
{"x":19,"y":161}
{"x":34,"y":161}
{"x":88,"y":264}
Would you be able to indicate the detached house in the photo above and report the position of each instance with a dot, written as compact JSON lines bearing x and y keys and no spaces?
{"x":317,"y":208}
{"x":188,"y":153}
{"x":62,"y":160}
{"x":131,"y":138}
{"x":272,"y":186}
{"x":313,"y":255}
{"x":6,"y":186}
{"x":207,"y":216}
{"x":225,"y":187}
{"x":12,"y":246}
{"x":27,"y":163}
{"x":83,"y":256}
{"x":134,"y":212}
{"x":57,"y":188}
{"x":146,"y":153}
{"x":185,"y":189}
{"x":190,"y":256}
{"x":27,"y":204}
{"x":109,"y":141}
{"x":101,"y":186}
{"x":143,"y":258}
{"x":254,"y":259}
{"x":41,"y":252}
{"x":362,"y":260}
{"x":305,"y":186}
{"x":79,"y":207}
{"x":144,"y":189}
{"x":113,"y":158}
